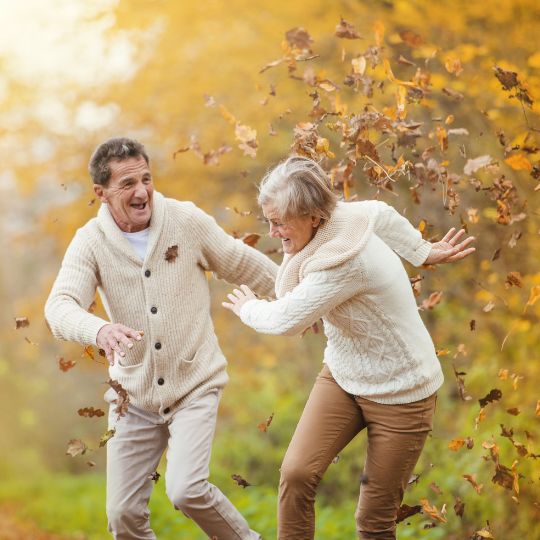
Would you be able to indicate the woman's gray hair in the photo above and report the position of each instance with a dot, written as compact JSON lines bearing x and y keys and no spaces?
{"x":298,"y":186}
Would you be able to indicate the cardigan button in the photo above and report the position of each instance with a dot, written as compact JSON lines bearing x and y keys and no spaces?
{"x":153,"y":310}
{"x":161,"y":381}
{"x":147,"y":273}
{"x":157,"y":345}
{"x":166,"y":410}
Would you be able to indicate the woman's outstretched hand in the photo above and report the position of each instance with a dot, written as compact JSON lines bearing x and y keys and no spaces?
{"x":450,"y":248}
{"x":238,"y":298}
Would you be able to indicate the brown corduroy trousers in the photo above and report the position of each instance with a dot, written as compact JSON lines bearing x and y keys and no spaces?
{"x":331,"y":419}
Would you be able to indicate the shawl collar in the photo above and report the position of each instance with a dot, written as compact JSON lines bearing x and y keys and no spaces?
{"x":336,"y":241}
{"x":114,"y":234}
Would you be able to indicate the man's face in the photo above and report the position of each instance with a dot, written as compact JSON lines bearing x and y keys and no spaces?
{"x":128,"y":193}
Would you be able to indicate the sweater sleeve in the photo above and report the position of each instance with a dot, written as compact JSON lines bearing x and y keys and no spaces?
{"x":232,"y":260}
{"x":316,"y":295}
{"x":398,"y":233}
{"x":66,"y":309}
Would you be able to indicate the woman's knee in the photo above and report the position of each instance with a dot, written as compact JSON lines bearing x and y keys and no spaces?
{"x":127,"y":516}
{"x":295,"y":473}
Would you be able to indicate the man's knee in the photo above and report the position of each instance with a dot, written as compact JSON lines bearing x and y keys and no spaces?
{"x":376,"y":523}
{"x":184,"y":494}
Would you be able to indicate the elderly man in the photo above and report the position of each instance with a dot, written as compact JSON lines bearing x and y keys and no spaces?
{"x":147,"y":255}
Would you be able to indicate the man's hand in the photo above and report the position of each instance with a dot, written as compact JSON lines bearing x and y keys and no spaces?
{"x":450,"y":249}
{"x":238,"y":299}
{"x":116,"y":338}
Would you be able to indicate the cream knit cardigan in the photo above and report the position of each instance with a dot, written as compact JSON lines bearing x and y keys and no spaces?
{"x":179,"y":356}
{"x":378,"y":346}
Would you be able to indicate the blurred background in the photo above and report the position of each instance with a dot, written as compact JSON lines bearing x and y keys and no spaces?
{"x":429,"y":106}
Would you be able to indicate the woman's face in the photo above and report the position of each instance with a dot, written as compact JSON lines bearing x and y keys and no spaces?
{"x":295,"y":233}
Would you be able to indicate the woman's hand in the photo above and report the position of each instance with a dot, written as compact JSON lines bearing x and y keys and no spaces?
{"x":238,"y":299}
{"x":450,"y":249}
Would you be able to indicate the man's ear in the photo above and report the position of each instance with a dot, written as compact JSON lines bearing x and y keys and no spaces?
{"x":315,"y":221}
{"x":98,"y":190}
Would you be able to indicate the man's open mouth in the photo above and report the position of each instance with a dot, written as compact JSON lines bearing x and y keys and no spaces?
{"x":140,"y":206}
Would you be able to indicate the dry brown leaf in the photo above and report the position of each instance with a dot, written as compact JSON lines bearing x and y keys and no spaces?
{"x":66,"y":365}
{"x":411,"y":38}
{"x":493,"y":395}
{"x":122,"y":400}
{"x":263,"y":426}
{"x":433,"y":299}
{"x":240,"y":481}
{"x":21,"y":322}
{"x":299,"y":38}
{"x":346,"y":30}
{"x":471,"y":478}
{"x":405,"y":511}
{"x":171,"y":254}
{"x":90,"y":412}
{"x":459,"y":507}
{"x":513,"y":278}
{"x":251,"y":239}
{"x":154,"y":476}
{"x":76,"y":447}
{"x":456,"y":444}
{"x":432,"y":511}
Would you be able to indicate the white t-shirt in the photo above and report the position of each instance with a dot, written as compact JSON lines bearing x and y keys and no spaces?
{"x":139,"y":241}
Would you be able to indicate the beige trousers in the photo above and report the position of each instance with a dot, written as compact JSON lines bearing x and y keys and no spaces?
{"x":134,"y":453}
{"x":331,"y":419}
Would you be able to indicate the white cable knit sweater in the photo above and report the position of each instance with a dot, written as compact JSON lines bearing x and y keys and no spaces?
{"x":179,"y":356}
{"x":378,"y":346}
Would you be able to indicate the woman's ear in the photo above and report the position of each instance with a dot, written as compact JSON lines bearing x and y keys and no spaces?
{"x":315,"y":221}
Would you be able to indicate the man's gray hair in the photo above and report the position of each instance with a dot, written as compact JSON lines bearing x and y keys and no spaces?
{"x":118,"y":148}
{"x":298,"y":186}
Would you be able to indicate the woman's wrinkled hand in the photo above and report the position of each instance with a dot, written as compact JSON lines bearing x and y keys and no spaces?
{"x":451,"y":248}
{"x":238,"y":298}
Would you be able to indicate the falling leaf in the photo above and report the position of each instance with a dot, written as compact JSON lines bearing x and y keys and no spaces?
{"x":76,"y":447}
{"x":405,"y":61}
{"x":171,"y":254}
{"x":414,"y":478}
{"x":209,"y":101}
{"x":435,"y":488}
{"x":154,"y":476}
{"x":488,"y":307}
{"x":461,"y":385}
{"x":272,"y":64}
{"x":91,"y":202}
{"x":411,"y":38}
{"x":251,"y":239}
{"x":514,"y":411}
{"x":359,"y":65}
{"x":346,"y":30}
{"x":514,"y":239}
{"x":66,"y":365}
{"x":433,"y":299}
{"x":298,"y":37}
{"x":513,"y":278}
{"x":482,"y":533}
{"x":109,"y":434}
{"x":459,"y":507}
{"x":247,"y":137}
{"x":453,"y":65}
{"x":472,"y":325}
{"x":480,"y":418}
{"x":336,"y":459}
{"x":537,"y":412}
{"x":472,"y":480}
{"x":240,"y":481}
{"x":493,"y":395}
{"x":91,"y":463}
{"x":242,"y":213}
{"x":432,"y":511}
{"x":405,"y":511}
{"x":88,"y":352}
{"x":475,"y":164}
{"x":90,"y":412}
{"x":534,"y":295}
{"x":519,"y":162}
{"x":472,"y":214}
{"x":263,"y":426}
{"x":456,"y":444}
{"x":21,"y":322}
{"x":122,"y":400}
{"x":458,"y":96}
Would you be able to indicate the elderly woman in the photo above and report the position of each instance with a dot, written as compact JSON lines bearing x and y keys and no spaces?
{"x":380,"y":369}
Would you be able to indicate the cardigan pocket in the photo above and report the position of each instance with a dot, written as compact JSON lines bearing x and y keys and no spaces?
{"x":204,"y":347}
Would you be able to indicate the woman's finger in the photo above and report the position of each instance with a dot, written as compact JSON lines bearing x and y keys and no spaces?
{"x":232,"y":298}
{"x":448,"y":235}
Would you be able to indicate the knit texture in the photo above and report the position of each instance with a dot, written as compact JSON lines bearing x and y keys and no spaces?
{"x":188,"y":358}
{"x":348,"y":275}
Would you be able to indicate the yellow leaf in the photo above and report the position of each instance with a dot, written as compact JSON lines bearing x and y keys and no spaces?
{"x":378,"y":27}
{"x":456,"y":444}
{"x":519,"y":162}
{"x":472,"y":213}
{"x":453,"y":65}
{"x":449,"y":119}
{"x":538,"y":408}
{"x":227,"y":115}
{"x":533,"y":296}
